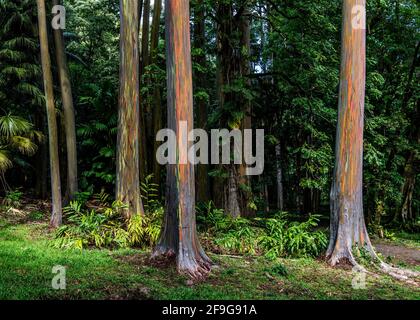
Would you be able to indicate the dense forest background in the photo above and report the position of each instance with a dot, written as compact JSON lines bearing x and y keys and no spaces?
{"x":272,"y":65}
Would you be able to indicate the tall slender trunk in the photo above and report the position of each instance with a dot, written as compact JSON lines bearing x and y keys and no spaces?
{"x":68,"y":108}
{"x":157,"y":99}
{"x":128,"y":183}
{"x":201,"y":103}
{"x":145,"y":37}
{"x":348,"y":228}
{"x":230,"y":68}
{"x":245,"y":65}
{"x":41,"y":160}
{"x":144,"y":53}
{"x":56,"y":218}
{"x":179,"y":235}
{"x":279,"y":179}
{"x":407,"y":214}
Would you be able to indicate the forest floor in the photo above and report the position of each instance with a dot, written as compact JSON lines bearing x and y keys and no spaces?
{"x":27,"y":259}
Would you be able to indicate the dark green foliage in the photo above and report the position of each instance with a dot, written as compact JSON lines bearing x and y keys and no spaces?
{"x":272,"y":237}
{"x":99,"y":224}
{"x":13,"y":199}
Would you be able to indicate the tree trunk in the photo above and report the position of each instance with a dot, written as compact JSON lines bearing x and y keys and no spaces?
{"x":407,"y":213}
{"x":41,"y":160}
{"x":69,"y":117}
{"x":128,"y":184}
{"x":348,"y":228}
{"x":144,"y":56}
{"x":245,"y":70}
{"x":201,"y":103}
{"x":179,"y":235}
{"x":145,"y":103}
{"x":157,"y":109}
{"x":230,"y":66}
{"x":279,"y":179}
{"x":56,"y":218}
{"x":145,"y":36}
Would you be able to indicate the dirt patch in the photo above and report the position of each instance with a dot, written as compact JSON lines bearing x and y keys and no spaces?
{"x":398,"y":252}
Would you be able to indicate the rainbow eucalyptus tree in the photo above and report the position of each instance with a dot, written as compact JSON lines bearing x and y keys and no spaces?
{"x":348,"y":228}
{"x":179,"y":235}
{"x":56,"y":218}
{"x":128,"y":183}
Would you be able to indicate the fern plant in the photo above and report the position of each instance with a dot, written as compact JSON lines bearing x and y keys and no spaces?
{"x":98,"y":224}
{"x":150,"y":194}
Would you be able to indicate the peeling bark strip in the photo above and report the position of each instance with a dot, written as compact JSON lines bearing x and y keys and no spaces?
{"x":56,"y":218}
{"x":348,"y":227}
{"x":179,"y":235}
{"x":128,"y":184}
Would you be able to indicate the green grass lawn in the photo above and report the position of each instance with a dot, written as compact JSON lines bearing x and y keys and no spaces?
{"x":27,"y":259}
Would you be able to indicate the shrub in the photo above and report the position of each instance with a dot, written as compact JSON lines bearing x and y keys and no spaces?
{"x":104,"y":226}
{"x":13,"y":199}
{"x":273,"y":237}
{"x":292,"y":239}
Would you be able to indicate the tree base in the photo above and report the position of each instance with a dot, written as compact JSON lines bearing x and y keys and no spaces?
{"x":196,"y":267}
{"x":346,"y":255}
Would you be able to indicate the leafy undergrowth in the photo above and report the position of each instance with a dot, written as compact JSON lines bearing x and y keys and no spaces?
{"x":27,"y":259}
{"x":100,"y":224}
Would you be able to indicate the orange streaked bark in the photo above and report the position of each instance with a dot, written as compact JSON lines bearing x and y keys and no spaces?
{"x":179,"y":235}
{"x":348,"y":227}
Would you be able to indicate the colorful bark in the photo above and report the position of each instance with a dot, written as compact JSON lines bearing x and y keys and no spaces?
{"x":56,"y":218}
{"x":128,"y":182}
{"x":181,"y":237}
{"x":68,"y":108}
{"x":348,"y":227}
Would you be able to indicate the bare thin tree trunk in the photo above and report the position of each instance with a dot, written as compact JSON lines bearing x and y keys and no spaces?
{"x":157,"y":101}
{"x":128,"y":183}
{"x":245,"y":66}
{"x":68,"y":108}
{"x":203,"y":194}
{"x":145,"y":113}
{"x":179,"y":234}
{"x":56,"y":218}
{"x":41,"y":160}
{"x":279,"y":179}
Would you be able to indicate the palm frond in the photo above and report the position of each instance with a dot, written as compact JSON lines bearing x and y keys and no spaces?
{"x":5,"y":162}
{"x":11,"y":125}
{"x":23,"y":144}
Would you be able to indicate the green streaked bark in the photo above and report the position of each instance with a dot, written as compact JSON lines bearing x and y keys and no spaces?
{"x":128,"y":182}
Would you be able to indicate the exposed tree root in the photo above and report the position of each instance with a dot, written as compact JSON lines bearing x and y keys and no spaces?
{"x":397,"y":273}
{"x":401,"y":274}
